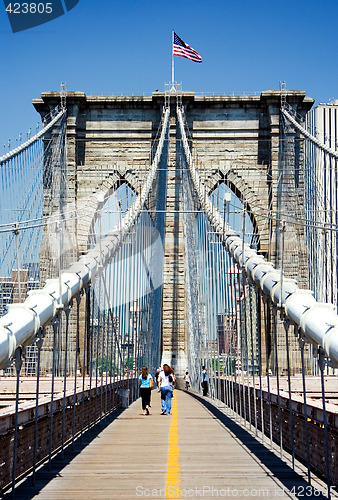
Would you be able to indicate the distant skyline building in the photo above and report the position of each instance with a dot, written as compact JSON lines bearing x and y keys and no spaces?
{"x":321,"y":185}
{"x":226,"y":333}
{"x":26,"y":280}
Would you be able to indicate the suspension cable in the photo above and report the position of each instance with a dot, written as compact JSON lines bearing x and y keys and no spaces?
{"x":25,"y":145}
{"x":304,"y":132}
{"x":318,"y":321}
{"x":42,"y":305}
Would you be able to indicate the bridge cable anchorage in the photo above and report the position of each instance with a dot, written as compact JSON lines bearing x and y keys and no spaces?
{"x":309,"y":136}
{"x":43,"y":305}
{"x":317,"y":321}
{"x":36,"y":137}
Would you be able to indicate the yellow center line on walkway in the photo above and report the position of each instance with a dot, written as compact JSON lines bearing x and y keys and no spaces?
{"x":173,"y":470}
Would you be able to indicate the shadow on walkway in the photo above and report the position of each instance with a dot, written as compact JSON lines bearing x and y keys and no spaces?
{"x":27,"y":490}
{"x":291,"y":480}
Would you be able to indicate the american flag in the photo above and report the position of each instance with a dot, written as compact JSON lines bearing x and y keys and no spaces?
{"x":184,"y":50}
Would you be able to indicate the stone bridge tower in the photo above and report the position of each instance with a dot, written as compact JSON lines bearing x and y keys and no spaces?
{"x":235,"y":140}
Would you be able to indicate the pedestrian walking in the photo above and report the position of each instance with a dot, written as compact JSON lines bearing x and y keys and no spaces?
{"x":187,"y":380}
{"x":146,"y":384}
{"x":166,"y":381}
{"x":173,"y":381}
{"x":205,"y":380}
{"x":158,"y":371}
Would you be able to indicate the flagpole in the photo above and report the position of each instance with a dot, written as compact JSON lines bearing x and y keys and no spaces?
{"x":172,"y":61}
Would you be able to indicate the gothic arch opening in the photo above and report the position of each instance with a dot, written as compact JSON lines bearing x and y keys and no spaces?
{"x":228,"y":200}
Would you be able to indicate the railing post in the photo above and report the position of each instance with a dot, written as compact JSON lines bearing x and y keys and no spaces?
{"x":259,"y":324}
{"x":321,"y":362}
{"x":286,"y":327}
{"x":301,"y":344}
{"x":85,"y":354}
{"x":78,"y":301}
{"x":267,"y":324}
{"x":67,"y":312}
{"x":18,"y":366}
{"x":56,"y":326}
{"x":39,"y":343}
{"x":252,"y":356}
{"x":91,"y":347}
{"x":277,"y":381}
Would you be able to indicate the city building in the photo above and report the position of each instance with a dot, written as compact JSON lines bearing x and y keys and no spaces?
{"x":321,"y":184}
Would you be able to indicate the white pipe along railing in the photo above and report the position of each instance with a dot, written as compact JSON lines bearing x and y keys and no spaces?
{"x":318,"y":322}
{"x":21,"y":323}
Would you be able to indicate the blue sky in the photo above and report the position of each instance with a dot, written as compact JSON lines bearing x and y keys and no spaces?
{"x":108,"y":46}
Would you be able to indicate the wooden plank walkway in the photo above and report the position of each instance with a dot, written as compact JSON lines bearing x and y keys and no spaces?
{"x":197,"y":452}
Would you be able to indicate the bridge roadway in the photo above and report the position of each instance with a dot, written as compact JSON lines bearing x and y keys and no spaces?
{"x":197,"y":452}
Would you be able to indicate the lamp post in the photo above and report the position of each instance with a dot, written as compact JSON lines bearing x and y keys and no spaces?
{"x":226,"y":206}
{"x":127,"y":346}
{"x":134,"y":312}
{"x":237,"y":293}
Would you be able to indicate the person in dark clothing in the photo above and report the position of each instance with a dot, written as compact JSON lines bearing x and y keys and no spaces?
{"x":205,"y":380}
{"x":146,"y":384}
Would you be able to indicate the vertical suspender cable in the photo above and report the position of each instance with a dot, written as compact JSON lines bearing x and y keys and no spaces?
{"x":267,"y":325}
{"x":85,"y":348}
{"x":274,"y":312}
{"x":18,"y":365}
{"x":56,"y":326}
{"x":253,"y":367}
{"x":321,"y":361}
{"x":259,"y":321}
{"x":110,"y":327}
{"x":91,"y":353}
{"x":67,"y":311}
{"x":106,"y":364}
{"x":36,"y":415}
{"x":78,"y":302}
{"x":301,"y":343}
{"x":286,"y":327}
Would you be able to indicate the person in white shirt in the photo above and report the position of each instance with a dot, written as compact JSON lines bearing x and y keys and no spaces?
{"x":166,"y":381}
{"x":205,"y":380}
{"x":187,"y":380}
